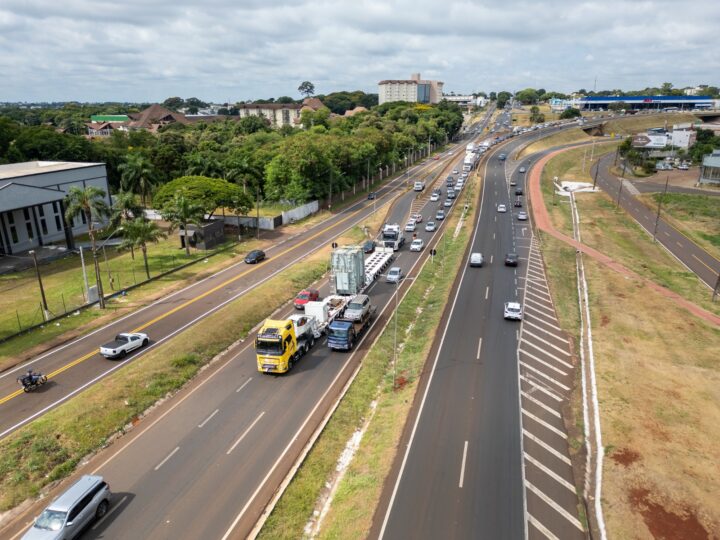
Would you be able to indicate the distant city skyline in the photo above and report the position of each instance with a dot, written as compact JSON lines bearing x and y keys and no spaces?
{"x":219,"y":51}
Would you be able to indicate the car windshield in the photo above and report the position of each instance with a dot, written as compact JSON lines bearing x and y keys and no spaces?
{"x":513,"y":309}
{"x":303,"y":296}
{"x":269,"y":347}
{"x":51,"y":520}
{"x":337,"y":332}
{"x":354,"y":306}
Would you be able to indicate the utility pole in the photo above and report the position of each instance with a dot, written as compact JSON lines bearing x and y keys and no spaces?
{"x":597,"y":168}
{"x":622,"y":181}
{"x":660,"y":200}
{"x":84,"y":273}
{"x":98,"y":280}
{"x":40,"y":283}
{"x":397,"y":287}
{"x":257,"y":208}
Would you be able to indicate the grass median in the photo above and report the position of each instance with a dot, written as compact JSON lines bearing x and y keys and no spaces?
{"x":351,"y":513}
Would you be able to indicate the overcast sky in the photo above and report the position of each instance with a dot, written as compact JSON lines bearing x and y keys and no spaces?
{"x":232,"y":50}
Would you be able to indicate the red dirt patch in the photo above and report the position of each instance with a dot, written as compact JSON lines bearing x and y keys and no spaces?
{"x":400,"y":382}
{"x":605,"y":320}
{"x":663,"y":524}
{"x":625,"y":456}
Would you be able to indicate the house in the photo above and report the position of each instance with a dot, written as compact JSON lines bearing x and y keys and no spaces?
{"x":155,"y":117}
{"x":279,"y":114}
{"x":32,"y":209}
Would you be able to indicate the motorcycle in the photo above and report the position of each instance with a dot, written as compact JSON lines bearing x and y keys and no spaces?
{"x":31,"y":382}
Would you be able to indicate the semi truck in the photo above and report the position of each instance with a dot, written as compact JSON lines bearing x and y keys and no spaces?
{"x":281,"y":343}
{"x":392,"y":236}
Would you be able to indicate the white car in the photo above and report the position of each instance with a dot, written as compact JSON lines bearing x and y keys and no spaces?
{"x":502,"y":208}
{"x":522,"y":216}
{"x":455,"y":171}
{"x":394,"y":275}
{"x":417,"y":217}
{"x":447,"y":203}
{"x":430,"y":226}
{"x":434,"y":197}
{"x":417,"y":245}
{"x":521,"y":170}
{"x":123,"y":344}
{"x":410,"y":226}
{"x":476,"y":259}
{"x":513,"y":310}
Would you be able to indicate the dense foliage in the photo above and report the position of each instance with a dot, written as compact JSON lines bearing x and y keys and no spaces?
{"x":331,"y":154}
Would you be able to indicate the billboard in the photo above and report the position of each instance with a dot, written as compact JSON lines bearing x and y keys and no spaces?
{"x":644,"y":140}
{"x":683,"y":138}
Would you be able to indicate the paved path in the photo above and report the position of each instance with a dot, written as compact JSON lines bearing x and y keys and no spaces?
{"x":543,"y":223}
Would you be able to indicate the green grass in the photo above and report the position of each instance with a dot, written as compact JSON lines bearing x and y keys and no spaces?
{"x":633,"y":124}
{"x":568,"y":136}
{"x":355,"y":500}
{"x":49,"y":448}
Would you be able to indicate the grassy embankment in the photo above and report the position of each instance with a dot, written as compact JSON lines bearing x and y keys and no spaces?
{"x":696,"y":216}
{"x":49,"y":448}
{"x":568,"y":136}
{"x":627,"y":125}
{"x":350,"y":515}
{"x":657,"y":378}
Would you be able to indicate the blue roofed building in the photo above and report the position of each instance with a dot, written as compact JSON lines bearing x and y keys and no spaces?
{"x":673,"y":103}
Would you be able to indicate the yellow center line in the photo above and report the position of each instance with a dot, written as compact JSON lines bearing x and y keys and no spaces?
{"x":703,"y":263}
{"x":77,"y":361}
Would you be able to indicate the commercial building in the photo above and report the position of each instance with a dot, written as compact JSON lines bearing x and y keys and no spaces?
{"x":466,"y":101}
{"x":710,"y":169}
{"x":680,"y":103}
{"x":32,"y":209}
{"x":414,"y":90}
{"x":660,"y":138}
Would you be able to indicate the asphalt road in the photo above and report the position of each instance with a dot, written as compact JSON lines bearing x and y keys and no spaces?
{"x":205,"y":464}
{"x":699,"y":261}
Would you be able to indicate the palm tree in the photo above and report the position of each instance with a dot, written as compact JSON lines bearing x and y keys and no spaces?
{"x":124,"y":209}
{"x":181,"y":212}
{"x":137,"y":175}
{"x":137,"y":233}
{"x":90,"y":202}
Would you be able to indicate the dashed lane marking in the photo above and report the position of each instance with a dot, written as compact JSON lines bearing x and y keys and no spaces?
{"x":555,"y":506}
{"x":552,"y":474}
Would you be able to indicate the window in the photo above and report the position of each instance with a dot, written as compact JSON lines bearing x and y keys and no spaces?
{"x":83,"y":218}
{"x":41,"y":211}
{"x":58,"y":223}
{"x":43,"y":226}
{"x":11,"y":218}
{"x":13,"y":234}
{"x":29,"y":228}
{"x":55,"y":207}
{"x":26,"y":212}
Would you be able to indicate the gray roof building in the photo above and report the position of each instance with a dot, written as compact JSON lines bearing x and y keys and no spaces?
{"x":710,"y":169}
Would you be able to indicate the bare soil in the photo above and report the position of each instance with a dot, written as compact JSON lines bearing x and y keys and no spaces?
{"x":664,"y":524}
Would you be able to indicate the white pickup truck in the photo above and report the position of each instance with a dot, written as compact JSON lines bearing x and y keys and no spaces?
{"x":123,"y":344}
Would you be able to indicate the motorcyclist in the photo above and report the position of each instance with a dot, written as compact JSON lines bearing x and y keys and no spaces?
{"x":30,"y":377}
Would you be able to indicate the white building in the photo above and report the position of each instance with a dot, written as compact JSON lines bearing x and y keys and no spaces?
{"x":466,"y":101}
{"x":414,"y":90}
{"x":31,"y":202}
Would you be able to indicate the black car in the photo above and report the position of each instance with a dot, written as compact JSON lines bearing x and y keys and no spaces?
{"x":511,"y":259}
{"x":518,"y":191}
{"x":372,"y":195}
{"x":369,"y":246}
{"x":255,"y":256}
{"x":518,"y":203}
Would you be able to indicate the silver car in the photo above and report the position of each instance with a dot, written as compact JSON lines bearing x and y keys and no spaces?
{"x":394,"y":275}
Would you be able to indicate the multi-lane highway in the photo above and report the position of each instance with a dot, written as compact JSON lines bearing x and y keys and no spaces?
{"x":205,"y":464}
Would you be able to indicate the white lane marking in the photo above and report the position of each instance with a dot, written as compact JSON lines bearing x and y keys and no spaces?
{"x":551,"y":355}
{"x":543,"y":423}
{"x":551,"y":334}
{"x":543,"y":362}
{"x":493,"y":236}
{"x":544,"y":376}
{"x":479,"y":347}
{"x":534,"y":305}
{"x":541,"y":528}
{"x":107,"y":514}
{"x":540,"y":387}
{"x":245,"y":433}
{"x":244,"y":385}
{"x":552,"y":474}
{"x":559,"y":509}
{"x":538,"y":274}
{"x":487,"y":292}
{"x":540,"y":320}
{"x":171,"y":454}
{"x":201,"y":424}
{"x":462,"y":467}
{"x":540,"y":299}
{"x":540,"y":404}
{"x":491,"y":259}
{"x":562,"y":457}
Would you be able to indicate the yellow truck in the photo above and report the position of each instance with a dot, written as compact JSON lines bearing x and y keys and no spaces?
{"x":281,"y":343}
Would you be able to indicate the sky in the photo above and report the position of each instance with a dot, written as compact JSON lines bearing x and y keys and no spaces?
{"x":236,"y":50}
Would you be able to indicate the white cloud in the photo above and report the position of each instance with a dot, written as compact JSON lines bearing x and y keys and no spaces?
{"x":97,"y":50}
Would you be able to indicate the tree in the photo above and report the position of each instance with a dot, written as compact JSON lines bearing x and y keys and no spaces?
{"x":124,"y":209}
{"x":306,"y":88}
{"x":174,"y":103}
{"x":138,"y":233}
{"x":137,"y":175}
{"x":90,"y":202}
{"x":535,"y":115}
{"x":180,"y":212}
{"x":618,"y":106}
{"x":207,"y":193}
{"x":570,"y":112}
{"x":527,"y":96}
{"x":493,"y":96}
{"x":502,"y":98}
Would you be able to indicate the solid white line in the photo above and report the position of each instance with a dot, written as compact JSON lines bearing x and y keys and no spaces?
{"x":493,"y":236}
{"x":559,"y":509}
{"x":551,"y":334}
{"x":541,"y":528}
{"x":114,"y":507}
{"x":543,"y":423}
{"x":201,"y":424}
{"x":540,"y":404}
{"x":245,"y":433}
{"x":491,"y":259}
{"x":171,"y":454}
{"x":545,"y":376}
{"x":462,"y":467}
{"x":244,"y":384}
{"x":540,"y":442}
{"x":479,"y":347}
{"x":487,"y":292}
{"x":535,"y":337}
{"x":552,"y":474}
{"x":543,"y":362}
{"x":544,"y":390}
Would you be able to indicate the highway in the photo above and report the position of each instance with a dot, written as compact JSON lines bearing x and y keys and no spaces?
{"x":462,"y":471}
{"x":696,"y":259}
{"x":205,"y":463}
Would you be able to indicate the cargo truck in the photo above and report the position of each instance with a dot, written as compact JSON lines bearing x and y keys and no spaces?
{"x":343,"y":334}
{"x":391,"y":236}
{"x":281,"y":343}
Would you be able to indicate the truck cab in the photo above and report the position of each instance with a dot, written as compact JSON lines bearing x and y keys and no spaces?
{"x":281,"y":343}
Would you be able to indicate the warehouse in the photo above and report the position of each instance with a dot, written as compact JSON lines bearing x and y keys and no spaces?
{"x":660,"y":103}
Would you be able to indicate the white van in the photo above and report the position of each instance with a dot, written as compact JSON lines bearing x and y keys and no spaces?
{"x":419,"y":186}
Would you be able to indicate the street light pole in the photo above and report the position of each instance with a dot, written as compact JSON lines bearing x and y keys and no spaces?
{"x":622,"y":181}
{"x":397,"y":286}
{"x":657,"y":218}
{"x":40,"y":283}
